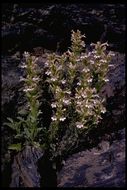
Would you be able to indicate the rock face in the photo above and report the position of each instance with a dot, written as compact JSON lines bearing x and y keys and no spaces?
{"x":104,"y":167}
{"x":25,"y":26}
{"x":116,"y":75}
{"x":24,"y":168}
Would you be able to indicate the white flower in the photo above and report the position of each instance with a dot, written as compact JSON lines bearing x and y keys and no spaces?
{"x":77,"y":96}
{"x":40,"y":112}
{"x":79,"y":83}
{"x":95,"y":101}
{"x":111,"y":54}
{"x":94,"y":52}
{"x":103,"y":110}
{"x":34,"y":59}
{"x":66,"y":102}
{"x":35,"y":79}
{"x":79,"y":103}
{"x":64,"y":109}
{"x":63,"y":81}
{"x":28,"y":89}
{"x":85,"y":70}
{"x":23,"y":66}
{"x":103,"y":100}
{"x":84,"y":95}
{"x":68,"y":92}
{"x":79,"y":125}
{"x":92,"y":44}
{"x":106,"y":80}
{"x":103,"y":61}
{"x":58,"y":89}
{"x":22,"y":79}
{"x":84,"y":56}
{"x":69,"y":52}
{"x":46,"y":63}
{"x":62,"y":118}
{"x":53,"y":79}
{"x":111,"y":65}
{"x":95,"y":95}
{"x":104,"y":44}
{"x":97,"y":56}
{"x":82,"y":43}
{"x":53,"y":105}
{"x":92,"y":62}
{"x":78,"y":60}
{"x":59,"y":67}
{"x":88,"y":106}
{"x":89,"y":54}
{"x":94,"y":90}
{"x":48,"y":73}
{"x":26,"y":54}
{"x":96,"y":122}
{"x":72,"y":66}
{"x":89,"y":80}
{"x":54,"y":118}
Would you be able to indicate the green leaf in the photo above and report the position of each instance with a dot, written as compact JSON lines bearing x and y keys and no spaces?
{"x":18,"y":136}
{"x":11,"y":120}
{"x":54,"y":166}
{"x":43,"y":146}
{"x":11,"y":125}
{"x":36,"y":144}
{"x":22,"y":112}
{"x":20,"y":119}
{"x":39,"y":129}
{"x":16,"y":147}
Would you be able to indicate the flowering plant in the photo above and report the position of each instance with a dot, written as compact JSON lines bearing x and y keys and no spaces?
{"x":75,"y":79}
{"x":26,"y":127}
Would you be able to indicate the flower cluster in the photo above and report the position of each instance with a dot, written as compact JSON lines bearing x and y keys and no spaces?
{"x":92,"y":67}
{"x":31,"y":82}
{"x":89,"y":105}
{"x":32,"y":78}
{"x":31,"y":89}
{"x":77,"y":42}
{"x":26,"y":124}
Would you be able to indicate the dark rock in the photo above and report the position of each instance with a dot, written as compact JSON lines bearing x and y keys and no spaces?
{"x":26,"y":22}
{"x":24,"y":168}
{"x":96,"y":168}
{"x":47,"y":172}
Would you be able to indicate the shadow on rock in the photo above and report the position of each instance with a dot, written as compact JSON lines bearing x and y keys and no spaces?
{"x":47,"y":173}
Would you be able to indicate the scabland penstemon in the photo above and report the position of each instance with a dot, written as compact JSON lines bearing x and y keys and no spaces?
{"x":26,"y":128}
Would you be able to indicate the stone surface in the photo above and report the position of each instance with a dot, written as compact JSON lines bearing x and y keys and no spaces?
{"x":25,"y":26}
{"x":24,"y":168}
{"x":103,"y":167}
